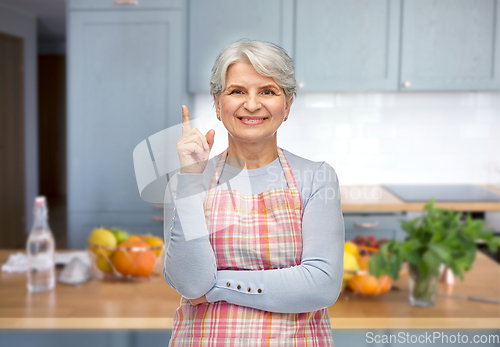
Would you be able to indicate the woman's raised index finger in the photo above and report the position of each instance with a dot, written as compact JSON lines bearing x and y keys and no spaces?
{"x":185,"y":119}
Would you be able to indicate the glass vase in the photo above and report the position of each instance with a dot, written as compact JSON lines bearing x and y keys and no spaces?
{"x":422,"y":289}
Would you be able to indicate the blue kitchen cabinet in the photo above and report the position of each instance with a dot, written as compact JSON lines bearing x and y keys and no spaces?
{"x":378,"y":225}
{"x":127,"y":81}
{"x":450,"y":45}
{"x":215,"y":24}
{"x":124,"y":5}
{"x":346,"y":45}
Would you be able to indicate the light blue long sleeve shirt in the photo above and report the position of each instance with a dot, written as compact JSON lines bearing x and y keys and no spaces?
{"x":190,"y":264}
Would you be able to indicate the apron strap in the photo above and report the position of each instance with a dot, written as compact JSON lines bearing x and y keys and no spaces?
{"x":292,"y":185}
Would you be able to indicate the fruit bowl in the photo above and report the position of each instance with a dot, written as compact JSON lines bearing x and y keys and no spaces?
{"x":130,"y":260}
{"x":359,"y":280}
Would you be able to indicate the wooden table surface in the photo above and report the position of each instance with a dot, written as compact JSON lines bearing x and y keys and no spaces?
{"x":361,"y":198}
{"x":151,"y":304}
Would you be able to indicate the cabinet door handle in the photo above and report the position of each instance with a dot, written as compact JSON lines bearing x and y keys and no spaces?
{"x":125,"y":2}
{"x":158,"y":206}
{"x":366,"y":225}
{"x":158,"y":219}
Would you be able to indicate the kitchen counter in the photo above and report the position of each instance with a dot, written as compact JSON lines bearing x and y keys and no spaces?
{"x":150,"y":304}
{"x":361,"y":198}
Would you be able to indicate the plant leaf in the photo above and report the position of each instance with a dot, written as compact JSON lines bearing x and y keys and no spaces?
{"x":432,"y":261}
{"x":413,"y":257}
{"x":441,"y":251}
{"x":375,"y":265}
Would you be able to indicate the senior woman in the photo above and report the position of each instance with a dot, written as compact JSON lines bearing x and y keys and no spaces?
{"x":254,"y":236}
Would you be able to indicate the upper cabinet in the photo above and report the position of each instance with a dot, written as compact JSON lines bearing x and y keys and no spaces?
{"x":124,"y":5}
{"x":450,"y":45}
{"x":346,"y":45}
{"x":126,"y":81}
{"x":358,"y":45}
{"x":215,"y":24}
{"x":118,"y":100}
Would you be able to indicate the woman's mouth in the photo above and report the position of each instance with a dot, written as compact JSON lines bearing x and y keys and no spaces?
{"x":252,"y":121}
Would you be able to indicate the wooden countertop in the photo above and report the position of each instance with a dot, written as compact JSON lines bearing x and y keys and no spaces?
{"x":151,"y":304}
{"x":362,"y":198}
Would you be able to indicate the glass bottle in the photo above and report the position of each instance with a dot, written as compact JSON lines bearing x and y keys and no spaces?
{"x":40,"y":250}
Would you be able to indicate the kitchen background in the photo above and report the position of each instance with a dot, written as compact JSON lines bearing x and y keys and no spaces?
{"x":390,"y":92}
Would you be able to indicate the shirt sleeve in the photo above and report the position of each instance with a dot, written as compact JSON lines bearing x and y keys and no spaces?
{"x":316,"y":282}
{"x":189,"y":265}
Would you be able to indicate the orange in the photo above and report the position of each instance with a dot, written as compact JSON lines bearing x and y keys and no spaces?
{"x":369,"y":284}
{"x":136,"y":262}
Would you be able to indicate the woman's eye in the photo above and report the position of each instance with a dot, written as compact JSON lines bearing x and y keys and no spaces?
{"x":268,"y":92}
{"x":236,"y":91}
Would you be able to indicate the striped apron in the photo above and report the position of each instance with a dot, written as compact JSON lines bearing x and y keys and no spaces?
{"x":252,"y":232}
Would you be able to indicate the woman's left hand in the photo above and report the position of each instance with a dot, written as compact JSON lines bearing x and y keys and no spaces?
{"x":196,"y":302}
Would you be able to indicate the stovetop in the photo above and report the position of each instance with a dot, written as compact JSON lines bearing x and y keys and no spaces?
{"x":442,"y":193}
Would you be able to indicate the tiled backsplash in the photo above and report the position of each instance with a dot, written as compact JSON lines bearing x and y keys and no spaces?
{"x":372,"y":138}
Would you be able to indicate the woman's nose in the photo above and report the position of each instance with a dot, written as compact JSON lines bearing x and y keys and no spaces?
{"x":252,"y":103}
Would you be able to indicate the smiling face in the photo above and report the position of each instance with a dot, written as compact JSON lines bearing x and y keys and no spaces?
{"x":252,"y":106}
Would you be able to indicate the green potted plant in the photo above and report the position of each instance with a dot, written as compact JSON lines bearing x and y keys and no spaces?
{"x":438,"y":237}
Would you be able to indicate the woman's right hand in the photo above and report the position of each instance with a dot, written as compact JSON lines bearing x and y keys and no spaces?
{"x":193,"y":148}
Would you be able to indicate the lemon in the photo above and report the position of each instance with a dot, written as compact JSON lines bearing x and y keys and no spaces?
{"x":154,"y":241}
{"x":103,"y":264}
{"x":350,"y":247}
{"x":351,"y":264}
{"x":102,"y":237}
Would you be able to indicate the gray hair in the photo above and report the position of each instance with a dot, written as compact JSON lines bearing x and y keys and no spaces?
{"x":267,"y":59}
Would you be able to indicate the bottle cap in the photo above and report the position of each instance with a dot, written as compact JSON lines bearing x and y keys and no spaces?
{"x":40,"y":201}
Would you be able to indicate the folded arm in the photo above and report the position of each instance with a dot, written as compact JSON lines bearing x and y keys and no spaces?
{"x":312,"y":285}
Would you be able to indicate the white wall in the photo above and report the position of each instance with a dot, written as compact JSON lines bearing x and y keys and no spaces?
{"x":373,"y":138}
{"x":23,"y":25}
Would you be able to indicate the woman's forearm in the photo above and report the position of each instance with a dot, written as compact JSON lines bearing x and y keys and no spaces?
{"x":190,"y":265}
{"x":313,"y":284}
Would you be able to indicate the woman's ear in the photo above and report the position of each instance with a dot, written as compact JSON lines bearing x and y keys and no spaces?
{"x":288,"y":104}
{"x":216,"y":103}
